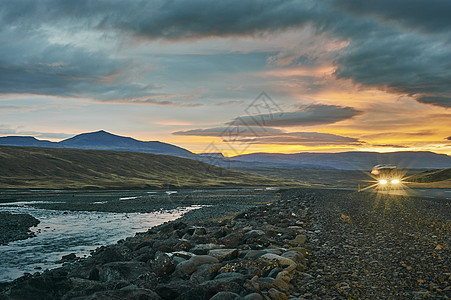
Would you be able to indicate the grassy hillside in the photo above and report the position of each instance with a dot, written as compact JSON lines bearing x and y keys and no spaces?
{"x":49,"y":168}
{"x":435,"y":178}
{"x":316,"y":177}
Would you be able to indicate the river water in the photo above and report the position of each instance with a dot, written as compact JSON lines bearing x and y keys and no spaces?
{"x":63,"y":232}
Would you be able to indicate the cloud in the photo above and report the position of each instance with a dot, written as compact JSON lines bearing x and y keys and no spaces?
{"x":315,"y":114}
{"x":268,"y":135}
{"x":430,"y":17}
{"x":304,"y":139}
{"x":389,"y":146}
{"x":448,"y":138}
{"x":399,"y":46}
{"x":229,"y":131}
{"x":7,"y":131}
{"x":175,"y":19}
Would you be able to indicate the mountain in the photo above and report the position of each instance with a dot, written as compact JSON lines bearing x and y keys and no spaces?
{"x":349,"y":160}
{"x":101,"y":140}
{"x":47,"y":168}
{"x":26,"y":141}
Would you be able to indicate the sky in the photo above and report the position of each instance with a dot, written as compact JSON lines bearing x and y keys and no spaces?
{"x":231,"y":76}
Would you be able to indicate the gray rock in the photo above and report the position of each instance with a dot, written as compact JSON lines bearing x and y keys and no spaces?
{"x":297,"y":258}
{"x":253,"y":296}
{"x":232,"y":239}
{"x":163,"y":264}
{"x":230,"y":275}
{"x":125,"y":294}
{"x":122,"y":270}
{"x":222,"y":254}
{"x":202,"y":249}
{"x":190,"y":266}
{"x":225,"y":296}
{"x":286,"y":263}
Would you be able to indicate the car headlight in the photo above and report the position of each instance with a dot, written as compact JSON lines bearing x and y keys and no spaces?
{"x":395,"y":181}
{"x":383,"y":181}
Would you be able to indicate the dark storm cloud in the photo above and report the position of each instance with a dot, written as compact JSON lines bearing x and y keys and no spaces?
{"x":316,"y":114}
{"x":400,"y":46}
{"x":430,"y":16}
{"x":165,"y":19}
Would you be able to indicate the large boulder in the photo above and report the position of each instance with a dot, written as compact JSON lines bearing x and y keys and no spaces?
{"x":190,"y":266}
{"x":163,"y":264}
{"x":122,"y":270}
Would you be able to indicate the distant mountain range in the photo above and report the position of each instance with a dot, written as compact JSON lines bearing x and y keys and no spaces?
{"x":102,"y":140}
{"x":357,"y":160}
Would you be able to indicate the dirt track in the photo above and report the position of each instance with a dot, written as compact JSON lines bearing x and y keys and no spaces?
{"x":376,"y":246}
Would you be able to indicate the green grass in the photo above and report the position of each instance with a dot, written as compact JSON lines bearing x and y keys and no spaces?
{"x":432,"y":176}
{"x":50,"y":168}
{"x":315,"y":177}
{"x":431,"y":179}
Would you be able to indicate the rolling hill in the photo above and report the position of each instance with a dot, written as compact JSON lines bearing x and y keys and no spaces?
{"x":439,"y":178}
{"x":50,"y":168}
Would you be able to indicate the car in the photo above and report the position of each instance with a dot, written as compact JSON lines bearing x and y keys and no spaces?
{"x":387,"y":176}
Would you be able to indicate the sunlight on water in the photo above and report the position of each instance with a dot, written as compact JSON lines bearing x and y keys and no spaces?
{"x":61,"y":233}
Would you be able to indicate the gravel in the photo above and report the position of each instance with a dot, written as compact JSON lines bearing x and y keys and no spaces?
{"x":367,"y":245}
{"x":15,"y":227}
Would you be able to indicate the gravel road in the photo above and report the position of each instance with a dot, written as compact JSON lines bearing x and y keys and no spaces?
{"x":368,"y":246}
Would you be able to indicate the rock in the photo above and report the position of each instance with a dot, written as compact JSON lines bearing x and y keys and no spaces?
{"x":252,"y":284}
{"x":229,"y":284}
{"x":232,"y":240}
{"x":274,"y":272}
{"x":190,"y":266}
{"x":297,"y":257}
{"x":286,"y":263}
{"x":223,"y":254}
{"x":125,"y":294}
{"x":15,"y":227}
{"x":172,"y":289}
{"x":200,"y":231}
{"x":276,"y":295}
{"x":166,"y":245}
{"x":69,"y":257}
{"x":300,"y":239}
{"x":253,"y":296}
{"x":122,"y":270}
{"x":254,"y":233}
{"x":163,"y":264}
{"x":266,"y":283}
{"x":301,"y":250}
{"x":285,"y":276}
{"x":281,"y":284}
{"x":230,"y":275}
{"x":84,"y":287}
{"x":225,"y":296}
{"x":201,"y":249}
{"x":107,"y":254}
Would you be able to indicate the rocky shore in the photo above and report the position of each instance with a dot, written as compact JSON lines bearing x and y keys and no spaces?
{"x":307,"y":244}
{"x":15,"y":227}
